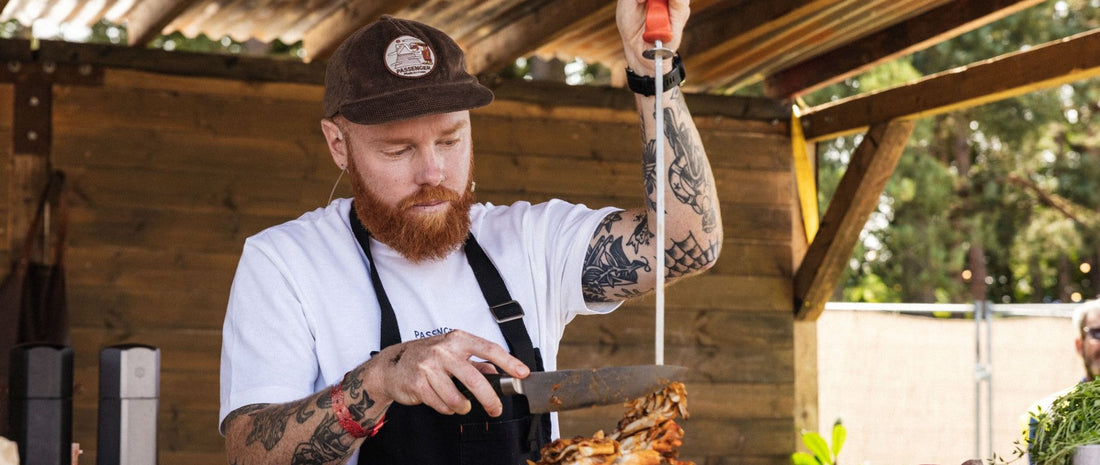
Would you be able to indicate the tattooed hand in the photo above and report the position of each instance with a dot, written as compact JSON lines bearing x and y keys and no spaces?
{"x":421,"y":372}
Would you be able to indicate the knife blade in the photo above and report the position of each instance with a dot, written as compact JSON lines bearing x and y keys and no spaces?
{"x":553,"y":391}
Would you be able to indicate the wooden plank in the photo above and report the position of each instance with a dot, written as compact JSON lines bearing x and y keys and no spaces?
{"x":130,"y":79}
{"x":730,"y":366}
{"x":918,"y":33}
{"x":119,"y":110}
{"x":131,"y":308}
{"x":182,"y":350}
{"x":707,"y":329}
{"x":7,"y":163}
{"x":567,"y":178}
{"x":522,"y":35}
{"x":135,"y":268}
{"x":224,"y":193}
{"x":154,"y":228}
{"x":856,"y":197}
{"x":192,"y":153}
{"x":744,"y":258}
{"x":581,"y":138}
{"x":1055,"y":63}
{"x":804,"y":398}
{"x":757,"y":222}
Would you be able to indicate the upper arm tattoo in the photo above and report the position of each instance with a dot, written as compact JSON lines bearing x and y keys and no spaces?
{"x":607,"y":267}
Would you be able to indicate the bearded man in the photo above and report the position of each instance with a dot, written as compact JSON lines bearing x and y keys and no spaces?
{"x":348,"y":328}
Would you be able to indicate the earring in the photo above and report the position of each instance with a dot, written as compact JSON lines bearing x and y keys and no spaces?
{"x":473,"y":186}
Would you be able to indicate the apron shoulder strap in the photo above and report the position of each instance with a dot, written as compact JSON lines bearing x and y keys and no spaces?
{"x":507,"y":312}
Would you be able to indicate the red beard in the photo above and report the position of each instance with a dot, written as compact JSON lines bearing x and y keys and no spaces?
{"x":416,"y":237}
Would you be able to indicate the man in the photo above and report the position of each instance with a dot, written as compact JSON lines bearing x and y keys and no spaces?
{"x":349,"y":329}
{"x":1086,"y":324}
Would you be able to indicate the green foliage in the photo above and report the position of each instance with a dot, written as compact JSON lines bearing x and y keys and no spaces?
{"x":821,"y":453}
{"x":1014,"y":182}
{"x":1073,"y":420}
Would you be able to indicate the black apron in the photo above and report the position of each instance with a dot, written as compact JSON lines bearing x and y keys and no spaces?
{"x":418,"y":434}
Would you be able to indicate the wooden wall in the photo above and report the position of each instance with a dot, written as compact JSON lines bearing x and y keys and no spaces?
{"x":168,"y":175}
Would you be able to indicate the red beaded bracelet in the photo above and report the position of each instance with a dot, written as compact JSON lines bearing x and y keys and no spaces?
{"x":343,"y":416}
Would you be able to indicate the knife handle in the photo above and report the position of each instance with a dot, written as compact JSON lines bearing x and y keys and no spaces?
{"x":493,"y":379}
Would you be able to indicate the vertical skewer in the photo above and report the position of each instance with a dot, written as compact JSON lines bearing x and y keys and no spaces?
{"x":658,"y":30}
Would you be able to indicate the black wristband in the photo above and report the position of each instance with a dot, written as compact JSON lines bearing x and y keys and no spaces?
{"x":648,"y":86}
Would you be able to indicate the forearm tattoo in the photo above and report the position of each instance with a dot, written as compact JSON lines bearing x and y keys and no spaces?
{"x":269,"y":425}
{"x":328,"y":440}
{"x":687,"y":175}
{"x":327,"y":443}
{"x":611,"y":273}
{"x":358,"y":401}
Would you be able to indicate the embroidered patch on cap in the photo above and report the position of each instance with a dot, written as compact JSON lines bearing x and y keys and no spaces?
{"x":409,"y":57}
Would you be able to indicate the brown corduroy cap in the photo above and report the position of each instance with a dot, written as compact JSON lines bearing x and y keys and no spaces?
{"x":395,"y":69}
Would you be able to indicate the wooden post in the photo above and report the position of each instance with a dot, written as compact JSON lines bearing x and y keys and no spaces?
{"x":855,"y":198}
{"x":31,"y":141}
{"x":32,"y":134}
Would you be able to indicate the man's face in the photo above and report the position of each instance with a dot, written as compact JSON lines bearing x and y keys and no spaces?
{"x":411,"y":180}
{"x":1089,"y":347}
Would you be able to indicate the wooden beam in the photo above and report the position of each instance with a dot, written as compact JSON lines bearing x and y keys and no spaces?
{"x":740,"y":43}
{"x":320,"y":41}
{"x":1068,"y":60}
{"x":935,"y":26}
{"x":856,"y":197}
{"x":730,"y":28}
{"x":149,"y":17}
{"x":239,"y":67}
{"x":540,"y":92}
{"x":521,"y":37}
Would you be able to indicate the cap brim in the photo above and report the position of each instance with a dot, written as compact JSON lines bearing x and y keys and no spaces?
{"x":414,"y":102}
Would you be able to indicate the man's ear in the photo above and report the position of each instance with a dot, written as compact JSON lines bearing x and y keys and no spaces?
{"x":1080,"y":344}
{"x":337,"y":146}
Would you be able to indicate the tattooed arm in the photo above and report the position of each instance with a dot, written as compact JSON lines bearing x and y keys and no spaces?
{"x":306,"y":432}
{"x":621,"y":255}
{"x":302,"y":432}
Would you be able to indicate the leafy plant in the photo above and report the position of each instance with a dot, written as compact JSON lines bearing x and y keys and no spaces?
{"x":822,"y":454}
{"x":1073,"y":420}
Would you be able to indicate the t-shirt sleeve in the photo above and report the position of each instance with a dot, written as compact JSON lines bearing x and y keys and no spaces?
{"x":569,"y":231}
{"x":267,"y":343}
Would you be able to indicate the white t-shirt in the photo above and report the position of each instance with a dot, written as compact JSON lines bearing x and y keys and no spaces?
{"x":302,"y":311}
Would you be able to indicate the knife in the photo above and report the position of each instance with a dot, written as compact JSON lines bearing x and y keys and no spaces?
{"x":552,"y":391}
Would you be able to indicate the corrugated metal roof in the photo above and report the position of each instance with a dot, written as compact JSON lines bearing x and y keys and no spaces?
{"x":727,"y":41}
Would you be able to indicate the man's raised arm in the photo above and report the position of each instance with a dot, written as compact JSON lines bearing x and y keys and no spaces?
{"x":621,"y":257}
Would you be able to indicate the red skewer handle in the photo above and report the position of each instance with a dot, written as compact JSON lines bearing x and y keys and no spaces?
{"x":658,"y":26}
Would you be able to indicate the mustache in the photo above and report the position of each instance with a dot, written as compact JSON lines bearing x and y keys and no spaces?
{"x":429,"y":194}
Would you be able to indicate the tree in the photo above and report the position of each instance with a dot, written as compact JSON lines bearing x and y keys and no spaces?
{"x":995,"y":202}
